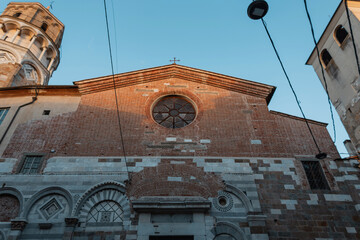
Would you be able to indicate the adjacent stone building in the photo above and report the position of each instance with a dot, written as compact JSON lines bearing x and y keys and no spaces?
{"x":176,"y":153}
{"x":30,"y":39}
{"x":339,"y":65}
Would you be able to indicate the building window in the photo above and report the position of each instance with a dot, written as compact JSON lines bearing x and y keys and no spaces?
{"x":325,"y":58}
{"x":46,"y":112}
{"x":105,"y":212}
{"x":315,"y":175}
{"x":44,"y":27}
{"x":31,"y":164}
{"x":340,"y":34}
{"x":17,"y":14}
{"x":173,"y":112}
{"x":3,"y":112}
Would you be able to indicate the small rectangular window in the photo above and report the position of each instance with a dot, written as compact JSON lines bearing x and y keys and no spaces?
{"x":31,"y":164}
{"x":3,"y":112}
{"x":46,"y":112}
{"x":315,"y":175}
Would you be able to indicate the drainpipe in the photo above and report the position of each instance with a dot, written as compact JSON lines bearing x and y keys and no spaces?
{"x":12,"y":120}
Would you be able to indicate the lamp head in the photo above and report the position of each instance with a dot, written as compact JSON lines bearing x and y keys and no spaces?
{"x":257,"y":9}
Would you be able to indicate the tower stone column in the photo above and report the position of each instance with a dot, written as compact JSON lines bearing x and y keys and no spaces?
{"x":29,"y":46}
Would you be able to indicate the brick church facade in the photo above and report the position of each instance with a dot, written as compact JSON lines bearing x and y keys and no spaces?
{"x":199,"y":156}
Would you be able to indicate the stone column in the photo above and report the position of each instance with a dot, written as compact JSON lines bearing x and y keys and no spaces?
{"x":2,"y":25}
{"x":17,"y":226}
{"x":42,"y":53}
{"x":15,"y":35}
{"x":51,"y":63}
{"x":32,"y":41}
{"x":71,"y":223}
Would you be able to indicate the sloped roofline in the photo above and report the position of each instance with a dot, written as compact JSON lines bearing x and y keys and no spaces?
{"x":178,"y":71}
{"x":325,"y":35}
{"x":297,"y":118}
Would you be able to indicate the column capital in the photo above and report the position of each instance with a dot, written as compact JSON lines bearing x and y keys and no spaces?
{"x":18,"y":224}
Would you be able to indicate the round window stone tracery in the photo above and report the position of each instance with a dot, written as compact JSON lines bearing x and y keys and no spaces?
{"x":174,"y":112}
{"x":224,"y":202}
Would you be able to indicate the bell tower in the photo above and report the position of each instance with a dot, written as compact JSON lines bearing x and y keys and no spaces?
{"x":30,"y":38}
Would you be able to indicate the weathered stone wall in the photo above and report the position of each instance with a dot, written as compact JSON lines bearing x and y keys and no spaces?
{"x":267,"y":197}
{"x":36,"y":14}
{"x":341,"y":75}
{"x":7,"y":73}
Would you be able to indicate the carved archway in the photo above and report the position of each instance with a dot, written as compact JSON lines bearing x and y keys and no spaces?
{"x":229,"y":230}
{"x":51,"y":191}
{"x":239,"y":194}
{"x":105,"y":202}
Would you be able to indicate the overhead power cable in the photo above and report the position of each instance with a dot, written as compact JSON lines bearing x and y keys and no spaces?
{"x":352,"y":36}
{"x":322,"y":69}
{"x":292,"y":88}
{"x":114,"y":84}
{"x":115,"y":33}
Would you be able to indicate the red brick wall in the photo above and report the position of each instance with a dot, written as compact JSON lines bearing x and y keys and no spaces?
{"x":153,"y":181}
{"x":230,"y":120}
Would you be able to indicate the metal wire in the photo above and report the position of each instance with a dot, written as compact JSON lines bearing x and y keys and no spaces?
{"x":322,"y":69}
{"x":292,"y":88}
{"x":116,"y":98}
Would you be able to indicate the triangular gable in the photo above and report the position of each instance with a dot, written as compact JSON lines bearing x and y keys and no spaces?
{"x":176,"y":71}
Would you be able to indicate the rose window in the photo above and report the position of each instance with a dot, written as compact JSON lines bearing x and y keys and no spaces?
{"x":174,"y":112}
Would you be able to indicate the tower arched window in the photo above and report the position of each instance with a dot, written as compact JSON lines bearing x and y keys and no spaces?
{"x":18,"y":14}
{"x":341,"y":34}
{"x":44,"y":27}
{"x":325,"y":58}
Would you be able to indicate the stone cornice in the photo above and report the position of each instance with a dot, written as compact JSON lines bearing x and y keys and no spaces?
{"x":179,"y":72}
{"x":43,"y":90}
{"x":171,"y":204}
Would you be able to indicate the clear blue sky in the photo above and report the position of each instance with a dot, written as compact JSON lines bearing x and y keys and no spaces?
{"x":214,"y":35}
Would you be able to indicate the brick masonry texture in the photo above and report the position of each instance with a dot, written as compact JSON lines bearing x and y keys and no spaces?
{"x":93,"y":129}
{"x":235,"y":150}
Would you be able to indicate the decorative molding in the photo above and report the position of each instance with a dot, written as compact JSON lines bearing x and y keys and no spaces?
{"x":180,"y":72}
{"x":95,"y":189}
{"x":238,"y":193}
{"x":229,"y":229}
{"x":171,"y":204}
{"x":18,"y":224}
{"x":228,"y":204}
{"x":45,"y":192}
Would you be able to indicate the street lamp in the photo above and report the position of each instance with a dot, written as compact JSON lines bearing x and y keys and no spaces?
{"x":257,"y":9}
